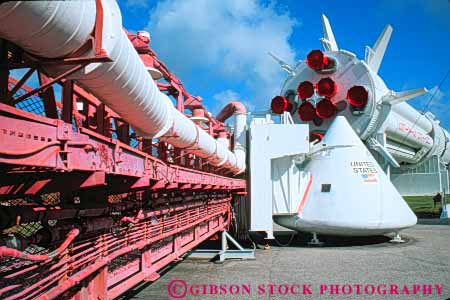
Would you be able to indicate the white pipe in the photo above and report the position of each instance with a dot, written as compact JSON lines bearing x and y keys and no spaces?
{"x":224,"y":141}
{"x":240,"y":139}
{"x":59,"y":28}
{"x":240,"y":123}
{"x":35,"y":26}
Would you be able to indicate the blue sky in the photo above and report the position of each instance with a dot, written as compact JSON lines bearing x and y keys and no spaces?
{"x":218,"y":48}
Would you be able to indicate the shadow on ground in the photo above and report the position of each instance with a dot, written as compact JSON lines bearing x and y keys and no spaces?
{"x":300,"y":240}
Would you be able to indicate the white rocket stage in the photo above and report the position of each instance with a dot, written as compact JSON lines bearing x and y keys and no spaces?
{"x":363,"y":132}
{"x":333,"y":187}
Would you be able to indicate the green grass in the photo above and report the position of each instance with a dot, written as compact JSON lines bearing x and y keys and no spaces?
{"x":422,"y":206}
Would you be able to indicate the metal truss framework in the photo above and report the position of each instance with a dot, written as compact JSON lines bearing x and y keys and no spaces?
{"x":74,"y":177}
{"x":106,"y":265}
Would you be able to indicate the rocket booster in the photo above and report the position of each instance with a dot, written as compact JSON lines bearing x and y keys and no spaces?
{"x":335,"y":82}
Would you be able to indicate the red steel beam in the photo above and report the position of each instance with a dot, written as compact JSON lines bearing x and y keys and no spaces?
{"x":89,"y":157}
{"x":31,"y":140}
{"x":157,"y":242}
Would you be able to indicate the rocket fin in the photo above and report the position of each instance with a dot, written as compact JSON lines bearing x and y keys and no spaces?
{"x":398,"y":97}
{"x":374,"y":56}
{"x":328,"y":41}
{"x":284,"y":65}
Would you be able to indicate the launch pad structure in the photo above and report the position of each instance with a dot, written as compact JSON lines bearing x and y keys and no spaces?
{"x":115,"y":206}
{"x":110,"y":170}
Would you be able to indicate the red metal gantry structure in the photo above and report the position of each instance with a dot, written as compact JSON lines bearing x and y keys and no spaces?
{"x":87,"y":208}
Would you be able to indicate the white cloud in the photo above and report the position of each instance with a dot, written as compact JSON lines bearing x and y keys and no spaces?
{"x":227,"y":39}
{"x":224,"y":97}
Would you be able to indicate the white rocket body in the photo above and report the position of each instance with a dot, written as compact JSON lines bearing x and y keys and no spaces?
{"x":348,"y":193}
{"x":337,"y":186}
{"x":325,"y":196}
{"x":409,"y":136}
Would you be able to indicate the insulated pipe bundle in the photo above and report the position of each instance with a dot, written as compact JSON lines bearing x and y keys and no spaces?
{"x":240,"y":139}
{"x":54,"y":29}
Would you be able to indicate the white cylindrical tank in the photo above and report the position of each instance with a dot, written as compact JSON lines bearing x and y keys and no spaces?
{"x":413,"y":116}
{"x":446,"y":154}
{"x":411,"y":136}
{"x":58,"y":28}
{"x":402,"y":130}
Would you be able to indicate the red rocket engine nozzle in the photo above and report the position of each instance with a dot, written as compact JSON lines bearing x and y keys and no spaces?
{"x":357,"y":96}
{"x":326,"y":87}
{"x":305,"y":90}
{"x":325,"y":109}
{"x":280,"y":104}
{"x":306,"y":112}
{"x":317,"y":60}
{"x":315,"y":136}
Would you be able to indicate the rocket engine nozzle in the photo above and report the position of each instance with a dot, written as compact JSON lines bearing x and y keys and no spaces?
{"x":325,"y":109}
{"x":315,"y":137}
{"x":305,"y":90}
{"x":280,"y":104}
{"x":357,"y":96}
{"x":317,"y":60}
{"x":326,"y":87}
{"x":306,"y":112}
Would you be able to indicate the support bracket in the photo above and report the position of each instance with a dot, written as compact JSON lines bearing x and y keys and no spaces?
{"x":315,"y":241}
{"x":397,"y":239}
{"x":224,"y":253}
